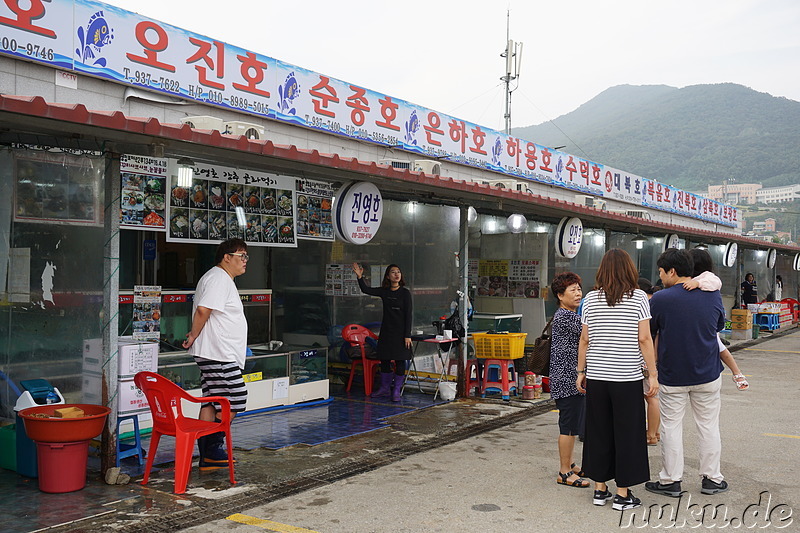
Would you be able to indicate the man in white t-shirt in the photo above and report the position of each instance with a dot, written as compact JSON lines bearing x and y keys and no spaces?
{"x":218,"y":342}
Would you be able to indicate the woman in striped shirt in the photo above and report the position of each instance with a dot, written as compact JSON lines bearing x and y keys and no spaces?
{"x":615,"y":340}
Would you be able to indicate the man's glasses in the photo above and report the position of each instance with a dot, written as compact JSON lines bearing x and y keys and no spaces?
{"x":242,"y":255}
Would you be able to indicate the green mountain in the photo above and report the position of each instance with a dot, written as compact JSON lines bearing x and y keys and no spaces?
{"x":688,"y":138}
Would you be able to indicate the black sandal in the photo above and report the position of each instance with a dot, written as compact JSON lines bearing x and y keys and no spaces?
{"x":579,"y":473}
{"x":579,"y":483}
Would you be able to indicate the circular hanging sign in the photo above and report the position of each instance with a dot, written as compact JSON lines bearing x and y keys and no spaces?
{"x":569,"y":235}
{"x":358,"y":211}
{"x":796,"y":262}
{"x":730,"y":253}
{"x":671,"y":240}
{"x":772,"y":255}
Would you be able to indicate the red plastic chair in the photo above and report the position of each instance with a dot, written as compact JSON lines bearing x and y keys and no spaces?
{"x":357,"y":336}
{"x":165,"y":399}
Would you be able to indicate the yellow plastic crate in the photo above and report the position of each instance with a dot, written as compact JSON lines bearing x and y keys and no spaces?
{"x":499,"y":345}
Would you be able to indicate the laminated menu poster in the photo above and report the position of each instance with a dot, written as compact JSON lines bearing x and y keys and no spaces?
{"x":314,"y":201}
{"x":340,"y":280}
{"x":146,"y":312}
{"x":224,"y":203}
{"x":143,"y":194}
{"x":509,"y":278}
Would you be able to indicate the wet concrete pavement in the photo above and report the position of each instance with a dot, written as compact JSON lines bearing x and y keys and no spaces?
{"x":479,"y":465}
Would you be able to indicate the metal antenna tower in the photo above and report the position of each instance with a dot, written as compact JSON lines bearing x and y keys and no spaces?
{"x":513,"y":55}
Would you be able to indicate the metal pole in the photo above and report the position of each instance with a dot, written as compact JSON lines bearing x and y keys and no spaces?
{"x":463,"y":260}
{"x":110,"y":382}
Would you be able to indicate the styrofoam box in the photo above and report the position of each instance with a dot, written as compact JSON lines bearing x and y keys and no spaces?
{"x":131,"y":399}
{"x":93,"y":356}
{"x":92,"y":388}
{"x":741,"y":334}
{"x":137,"y":357}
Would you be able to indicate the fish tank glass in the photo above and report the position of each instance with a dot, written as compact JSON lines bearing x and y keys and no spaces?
{"x":308,"y":365}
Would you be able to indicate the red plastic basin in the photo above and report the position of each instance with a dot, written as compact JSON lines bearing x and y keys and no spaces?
{"x":64,"y":429}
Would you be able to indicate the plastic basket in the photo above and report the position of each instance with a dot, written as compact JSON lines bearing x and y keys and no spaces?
{"x":499,"y":345}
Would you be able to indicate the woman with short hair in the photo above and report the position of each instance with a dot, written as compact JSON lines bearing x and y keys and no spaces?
{"x":565,"y":334}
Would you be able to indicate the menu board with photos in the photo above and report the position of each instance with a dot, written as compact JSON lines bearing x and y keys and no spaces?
{"x":510,"y":278}
{"x":143,"y":196}
{"x":314,"y":202}
{"x":225,"y":203}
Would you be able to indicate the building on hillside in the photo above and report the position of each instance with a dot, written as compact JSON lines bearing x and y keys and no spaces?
{"x":767,"y":225}
{"x":773,"y":195}
{"x":734,"y":193}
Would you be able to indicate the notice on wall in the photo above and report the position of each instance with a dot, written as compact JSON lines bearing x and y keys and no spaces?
{"x":340,"y":280}
{"x":146,"y":312}
{"x":505,"y":278}
{"x":143,"y":197}
{"x":224,"y":203}
{"x":19,"y":275}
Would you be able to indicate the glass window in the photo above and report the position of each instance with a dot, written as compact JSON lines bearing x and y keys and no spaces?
{"x":54,"y":287}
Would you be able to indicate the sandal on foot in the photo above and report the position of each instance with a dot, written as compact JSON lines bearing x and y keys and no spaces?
{"x":741,"y":382}
{"x":579,"y":472}
{"x":579,"y":483}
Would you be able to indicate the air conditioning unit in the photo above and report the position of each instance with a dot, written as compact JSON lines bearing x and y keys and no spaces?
{"x":590,"y":201}
{"x":511,"y":184}
{"x":204,"y":123}
{"x":638,"y":213}
{"x":399,"y":164}
{"x":245,"y":129}
{"x":427,"y":166}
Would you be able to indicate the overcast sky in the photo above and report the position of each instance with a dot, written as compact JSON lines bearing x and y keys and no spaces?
{"x":445,"y":54}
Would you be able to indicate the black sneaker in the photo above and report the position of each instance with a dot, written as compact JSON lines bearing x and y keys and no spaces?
{"x":623,"y":504}
{"x":711,"y":487}
{"x":670,"y":489}
{"x":601,"y":497}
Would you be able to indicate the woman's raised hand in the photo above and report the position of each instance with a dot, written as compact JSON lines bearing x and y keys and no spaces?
{"x":358,"y":270}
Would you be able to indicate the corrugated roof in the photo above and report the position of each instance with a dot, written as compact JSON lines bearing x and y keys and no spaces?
{"x":440,"y":188}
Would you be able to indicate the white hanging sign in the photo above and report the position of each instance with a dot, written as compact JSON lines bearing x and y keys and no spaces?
{"x":569,"y":235}
{"x":772,"y":255}
{"x":729,"y":256}
{"x":671,"y":240}
{"x":358,"y":212}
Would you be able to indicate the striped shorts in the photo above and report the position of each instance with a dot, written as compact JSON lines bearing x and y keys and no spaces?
{"x":222,"y":379}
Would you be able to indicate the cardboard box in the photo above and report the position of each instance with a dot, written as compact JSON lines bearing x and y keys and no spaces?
{"x":69,"y":412}
{"x":740,"y":312}
{"x":741,"y":325}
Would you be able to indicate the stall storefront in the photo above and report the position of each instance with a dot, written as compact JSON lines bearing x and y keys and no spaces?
{"x":101,"y":211}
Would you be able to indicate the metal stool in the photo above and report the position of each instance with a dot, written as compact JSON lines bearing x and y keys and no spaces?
{"x":499,"y":375}
{"x":129,"y":450}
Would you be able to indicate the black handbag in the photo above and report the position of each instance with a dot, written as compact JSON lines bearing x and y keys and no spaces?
{"x":539,"y":355}
{"x":454,"y":324}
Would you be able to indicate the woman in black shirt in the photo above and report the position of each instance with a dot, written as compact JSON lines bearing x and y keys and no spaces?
{"x":394,"y":343}
{"x":749,"y":290}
